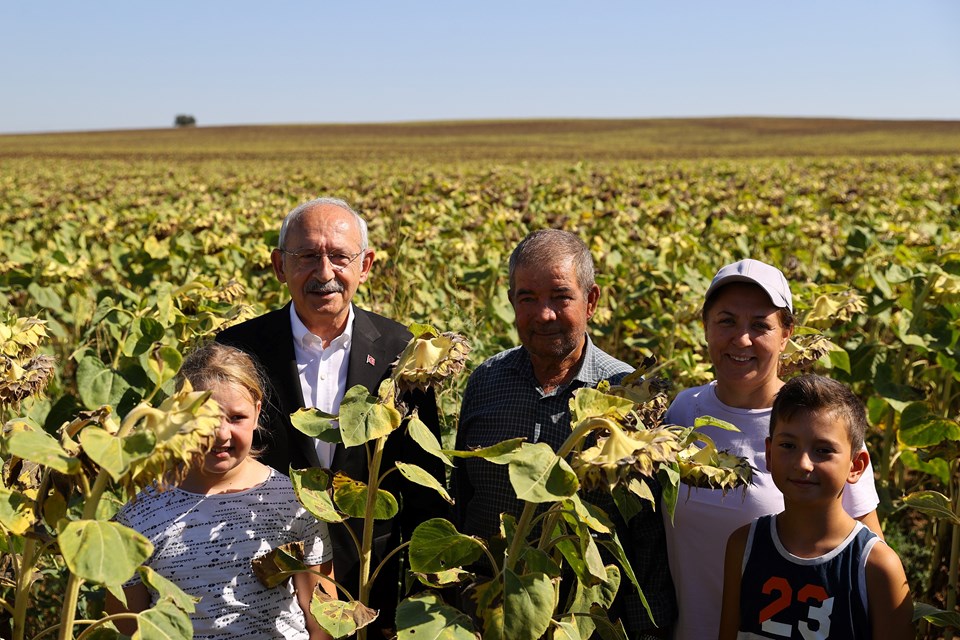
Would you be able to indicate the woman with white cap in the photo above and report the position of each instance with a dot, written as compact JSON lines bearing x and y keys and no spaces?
{"x":747,"y":319}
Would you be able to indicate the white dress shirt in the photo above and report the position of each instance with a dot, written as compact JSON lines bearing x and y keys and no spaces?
{"x":323,"y":375}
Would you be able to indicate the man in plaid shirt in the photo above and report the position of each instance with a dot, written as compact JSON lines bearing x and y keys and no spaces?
{"x":525,"y":392}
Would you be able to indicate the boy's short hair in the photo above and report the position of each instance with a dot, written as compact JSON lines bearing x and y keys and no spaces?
{"x":811,"y":392}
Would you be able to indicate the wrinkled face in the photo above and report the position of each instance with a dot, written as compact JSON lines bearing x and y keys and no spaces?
{"x":551,"y":310}
{"x":810,"y":458}
{"x":234,"y":437}
{"x":744,"y":337}
{"x":322,"y":293}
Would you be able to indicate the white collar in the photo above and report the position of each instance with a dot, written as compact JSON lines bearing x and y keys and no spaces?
{"x":306,"y":340}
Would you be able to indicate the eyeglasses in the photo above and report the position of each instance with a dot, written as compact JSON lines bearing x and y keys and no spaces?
{"x":314,"y":259}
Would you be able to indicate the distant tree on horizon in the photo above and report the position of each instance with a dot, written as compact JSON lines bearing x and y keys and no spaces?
{"x":184,"y":120}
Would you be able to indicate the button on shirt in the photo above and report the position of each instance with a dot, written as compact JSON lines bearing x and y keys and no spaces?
{"x":323,"y":375}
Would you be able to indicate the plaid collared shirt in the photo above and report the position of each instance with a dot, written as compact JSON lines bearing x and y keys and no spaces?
{"x":503,"y":400}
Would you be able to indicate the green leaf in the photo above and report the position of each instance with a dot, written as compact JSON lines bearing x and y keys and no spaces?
{"x":581,"y":552}
{"x":426,"y":617}
{"x":613,"y":545}
{"x":351,"y":498}
{"x":437,"y":546}
{"x":163,"y":364}
{"x":422,"y":435}
{"x":114,"y":454}
{"x":710,"y":421}
{"x":500,"y":453}
{"x":936,"y":616}
{"x":340,"y":618}
{"x":317,"y":424}
{"x":443,"y":578}
{"x":167,"y":590}
{"x":587,"y":402}
{"x":933,"y":504}
{"x":16,"y":511}
{"x":591,"y":515}
{"x":538,"y":561}
{"x":44,"y":297}
{"x":165,"y":621}
{"x":567,"y":629}
{"x":42,"y":448}
{"x":416,"y":474}
{"x":669,"y":477}
{"x":362,"y":418}
{"x":937,"y":467}
{"x":98,"y":385}
{"x":276,"y":566}
{"x":919,"y":427}
{"x":839,"y":359}
{"x":103,"y":552}
{"x":418,"y":329}
{"x":602,"y":593}
{"x":539,"y":475}
{"x":529,"y":601}
{"x":607,"y":629}
{"x":311,"y":487}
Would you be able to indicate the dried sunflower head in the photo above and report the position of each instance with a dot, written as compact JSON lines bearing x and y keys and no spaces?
{"x":23,"y":373}
{"x":620,"y":456}
{"x":184,"y":426}
{"x":803,"y":350}
{"x":708,"y":468}
{"x":430,"y":358}
{"x":20,"y":380}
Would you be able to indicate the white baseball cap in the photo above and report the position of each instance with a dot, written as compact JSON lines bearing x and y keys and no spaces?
{"x":769,"y":278}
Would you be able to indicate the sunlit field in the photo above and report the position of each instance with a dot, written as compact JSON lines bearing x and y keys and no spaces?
{"x":126,"y":242}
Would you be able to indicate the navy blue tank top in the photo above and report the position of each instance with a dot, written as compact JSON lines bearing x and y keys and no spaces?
{"x":784,"y":596}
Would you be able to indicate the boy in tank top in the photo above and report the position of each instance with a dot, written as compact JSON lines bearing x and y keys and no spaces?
{"x":812,"y":571}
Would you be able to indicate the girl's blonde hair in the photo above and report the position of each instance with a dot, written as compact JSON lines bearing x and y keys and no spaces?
{"x":213,"y":364}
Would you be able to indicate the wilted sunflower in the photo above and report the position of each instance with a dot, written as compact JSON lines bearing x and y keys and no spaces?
{"x":429,"y":359}
{"x":23,"y":373}
{"x":619,"y":457}
{"x":184,"y":426}
{"x":708,"y":468}
{"x":802,"y":351}
{"x":20,"y":380}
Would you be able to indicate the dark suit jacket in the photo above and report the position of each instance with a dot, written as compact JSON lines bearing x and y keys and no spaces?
{"x":375,"y":346}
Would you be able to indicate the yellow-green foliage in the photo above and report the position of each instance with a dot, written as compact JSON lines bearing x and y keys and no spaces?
{"x":133,"y":245}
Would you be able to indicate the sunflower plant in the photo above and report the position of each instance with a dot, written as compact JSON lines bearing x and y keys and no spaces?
{"x":55,"y":492}
{"x":617,"y":444}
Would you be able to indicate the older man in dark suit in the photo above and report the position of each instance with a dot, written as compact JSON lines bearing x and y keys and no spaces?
{"x":317,"y":347}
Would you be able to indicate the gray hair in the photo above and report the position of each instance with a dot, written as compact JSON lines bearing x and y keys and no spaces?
{"x":294,"y":216}
{"x":550,"y":246}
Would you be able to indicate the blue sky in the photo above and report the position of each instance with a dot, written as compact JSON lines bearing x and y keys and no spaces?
{"x":135,"y":64}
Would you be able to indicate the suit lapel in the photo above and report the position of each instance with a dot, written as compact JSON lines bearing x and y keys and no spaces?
{"x":368,"y":362}
{"x":279,"y":356}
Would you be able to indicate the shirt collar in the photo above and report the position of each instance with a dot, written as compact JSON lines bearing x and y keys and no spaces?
{"x":586,"y":375}
{"x":306,"y":340}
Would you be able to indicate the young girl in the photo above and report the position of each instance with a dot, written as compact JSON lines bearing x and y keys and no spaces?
{"x":227,"y":511}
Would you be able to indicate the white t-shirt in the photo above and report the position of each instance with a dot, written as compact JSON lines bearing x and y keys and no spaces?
{"x":204,"y":544}
{"x":697,"y":538}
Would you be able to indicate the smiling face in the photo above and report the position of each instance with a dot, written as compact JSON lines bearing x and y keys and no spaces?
{"x":809,"y":456}
{"x":234,"y":436}
{"x":745,"y":338}
{"x":552,"y":311}
{"x":321,"y":294}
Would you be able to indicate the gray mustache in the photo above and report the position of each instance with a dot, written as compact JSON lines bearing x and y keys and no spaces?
{"x":330,"y":286}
